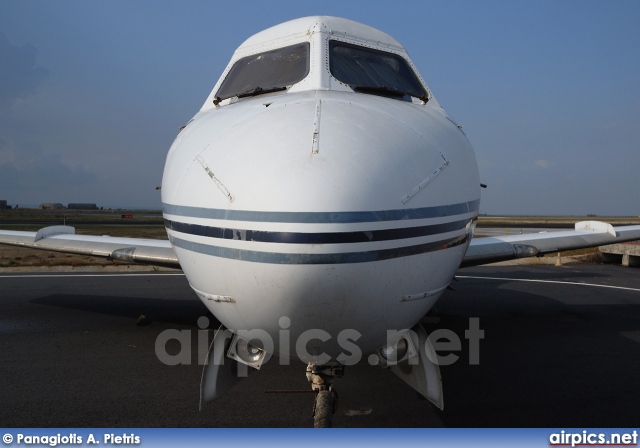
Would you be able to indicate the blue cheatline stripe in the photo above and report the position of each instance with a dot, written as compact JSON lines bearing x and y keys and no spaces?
{"x":334,"y":258}
{"x":439,"y":211}
{"x":315,"y":237}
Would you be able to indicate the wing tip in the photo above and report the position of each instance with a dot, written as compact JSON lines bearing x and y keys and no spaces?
{"x":50,"y":231}
{"x":596,"y":226}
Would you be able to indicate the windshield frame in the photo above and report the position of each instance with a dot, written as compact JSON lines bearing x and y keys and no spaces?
{"x":367,"y":80}
{"x":257,"y":73}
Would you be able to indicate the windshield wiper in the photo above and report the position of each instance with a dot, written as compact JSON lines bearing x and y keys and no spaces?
{"x":259,"y":91}
{"x":388,"y":91}
{"x":251,"y":92}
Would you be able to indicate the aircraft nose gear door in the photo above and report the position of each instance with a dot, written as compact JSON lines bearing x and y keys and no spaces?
{"x":220,"y":373}
{"x":326,"y":401}
{"x":421,"y":370}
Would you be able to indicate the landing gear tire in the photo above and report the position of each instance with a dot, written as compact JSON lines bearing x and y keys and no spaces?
{"x":323,"y":416}
{"x":325,"y":404}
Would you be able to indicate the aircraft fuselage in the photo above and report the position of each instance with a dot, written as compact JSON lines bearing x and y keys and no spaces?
{"x":320,"y":206}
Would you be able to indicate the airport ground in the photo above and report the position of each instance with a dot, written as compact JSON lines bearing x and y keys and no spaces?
{"x":561,"y":349}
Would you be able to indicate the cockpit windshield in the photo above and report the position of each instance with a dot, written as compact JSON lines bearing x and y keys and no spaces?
{"x":266,"y":72}
{"x":374,"y":71}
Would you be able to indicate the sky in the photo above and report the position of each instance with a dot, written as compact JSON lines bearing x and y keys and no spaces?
{"x":92,"y":93}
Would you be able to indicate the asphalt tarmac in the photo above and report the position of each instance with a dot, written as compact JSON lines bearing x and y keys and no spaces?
{"x":557,"y":352}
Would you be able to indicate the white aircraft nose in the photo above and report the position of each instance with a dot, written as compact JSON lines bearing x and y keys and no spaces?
{"x":325,"y":152}
{"x":289,"y":199}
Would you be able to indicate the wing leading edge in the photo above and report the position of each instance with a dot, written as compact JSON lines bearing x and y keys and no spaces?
{"x":586,"y":234}
{"x":64,"y":239}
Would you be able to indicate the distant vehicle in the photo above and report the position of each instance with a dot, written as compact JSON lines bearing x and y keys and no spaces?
{"x":320,"y":201}
{"x":51,"y":206}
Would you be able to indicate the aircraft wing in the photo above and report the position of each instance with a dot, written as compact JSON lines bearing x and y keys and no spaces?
{"x":586,"y":234}
{"x":64,"y":239}
{"x":480,"y":251}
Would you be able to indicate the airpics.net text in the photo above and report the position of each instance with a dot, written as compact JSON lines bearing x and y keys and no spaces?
{"x":442,"y":340}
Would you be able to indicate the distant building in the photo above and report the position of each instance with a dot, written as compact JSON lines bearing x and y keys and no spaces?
{"x":51,"y":206}
{"x":81,"y":206}
{"x":3,"y":204}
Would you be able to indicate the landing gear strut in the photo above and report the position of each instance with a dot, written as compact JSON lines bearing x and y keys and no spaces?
{"x":326,"y":401}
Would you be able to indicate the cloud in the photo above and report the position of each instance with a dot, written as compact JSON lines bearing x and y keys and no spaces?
{"x":25,"y":167}
{"x":19,"y":74}
{"x":543,"y":164}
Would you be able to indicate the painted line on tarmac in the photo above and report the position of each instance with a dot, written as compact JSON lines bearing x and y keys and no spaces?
{"x":548,"y":281}
{"x":62,"y":274}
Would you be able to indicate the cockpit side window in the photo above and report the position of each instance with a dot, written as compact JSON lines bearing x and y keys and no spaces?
{"x":374,"y":71}
{"x":266,"y":72}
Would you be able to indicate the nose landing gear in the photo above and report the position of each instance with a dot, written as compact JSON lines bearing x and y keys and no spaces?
{"x":325,"y":403}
